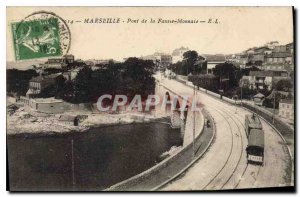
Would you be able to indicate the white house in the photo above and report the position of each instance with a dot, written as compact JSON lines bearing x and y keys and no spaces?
{"x":177,"y":54}
{"x":286,"y":109}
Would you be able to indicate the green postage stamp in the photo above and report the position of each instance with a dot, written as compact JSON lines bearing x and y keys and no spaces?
{"x":41,"y":34}
{"x":36,"y":39}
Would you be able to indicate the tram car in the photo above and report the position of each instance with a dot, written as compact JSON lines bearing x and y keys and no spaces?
{"x":255,"y":148}
{"x":252,"y":122}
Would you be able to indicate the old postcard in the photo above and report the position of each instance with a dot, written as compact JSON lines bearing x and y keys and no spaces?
{"x":150,"y":98}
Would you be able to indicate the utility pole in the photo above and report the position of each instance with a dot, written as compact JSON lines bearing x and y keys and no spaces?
{"x":194,"y":122}
{"x":242,"y":93}
{"x":73,"y":170}
{"x":274,"y":107}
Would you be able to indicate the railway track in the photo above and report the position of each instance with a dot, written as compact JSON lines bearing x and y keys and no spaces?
{"x":247,"y":166}
{"x":241,"y":153}
{"x":239,"y":124}
{"x":231,"y":149}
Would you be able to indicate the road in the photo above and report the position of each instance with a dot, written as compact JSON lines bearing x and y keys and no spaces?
{"x":224,"y":166}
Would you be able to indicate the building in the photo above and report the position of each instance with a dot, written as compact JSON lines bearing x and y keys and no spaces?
{"x":266,"y":79}
{"x":263,"y":50}
{"x":272,"y":44}
{"x":270,"y":53}
{"x":278,"y":67}
{"x":280,"y":49}
{"x":67,"y":59}
{"x":59,"y":62}
{"x":213,"y":60}
{"x":241,"y":59}
{"x":258,"y":56}
{"x":290,"y":48}
{"x":46,"y":105}
{"x":286,"y":109}
{"x":250,"y":51}
{"x":177,"y":54}
{"x":104,"y":61}
{"x":41,"y":82}
{"x":71,"y":74}
{"x":161,"y":60}
{"x":165,"y":60}
{"x":279,"y":58}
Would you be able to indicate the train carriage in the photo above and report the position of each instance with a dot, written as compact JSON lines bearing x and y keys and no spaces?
{"x":252,"y":122}
{"x":255,"y":148}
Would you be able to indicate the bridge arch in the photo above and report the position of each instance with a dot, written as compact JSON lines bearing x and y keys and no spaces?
{"x":168,"y":103}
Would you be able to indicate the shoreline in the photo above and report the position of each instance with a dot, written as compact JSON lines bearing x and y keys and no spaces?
{"x":28,"y":122}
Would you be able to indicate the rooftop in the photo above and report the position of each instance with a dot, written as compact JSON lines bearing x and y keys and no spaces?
{"x":41,"y":78}
{"x":262,"y":47}
{"x":256,"y":138}
{"x":47,"y":100}
{"x":259,"y":95}
{"x":215,"y":58}
{"x":279,"y":54}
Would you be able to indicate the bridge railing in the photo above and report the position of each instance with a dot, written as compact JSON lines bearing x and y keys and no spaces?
{"x":285,"y":131}
{"x":138,"y":179}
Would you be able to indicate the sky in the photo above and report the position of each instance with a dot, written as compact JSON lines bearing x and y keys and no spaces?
{"x":239,"y":28}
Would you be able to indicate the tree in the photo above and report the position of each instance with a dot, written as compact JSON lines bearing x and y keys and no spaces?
{"x":138,"y":76}
{"x":67,"y":92}
{"x":82,"y":85}
{"x":138,"y":69}
{"x":284,"y":85}
{"x":189,"y":65}
{"x":226,"y":71}
{"x":247,"y":93}
{"x":53,"y":90}
{"x":18,"y":80}
{"x":134,"y":76}
{"x":269,"y":102}
{"x":189,"y":60}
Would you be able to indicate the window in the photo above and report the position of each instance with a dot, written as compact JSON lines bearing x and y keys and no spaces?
{"x":282,"y":105}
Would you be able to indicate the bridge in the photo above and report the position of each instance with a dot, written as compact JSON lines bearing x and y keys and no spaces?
{"x":191,"y":123}
{"x":225,"y":166}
